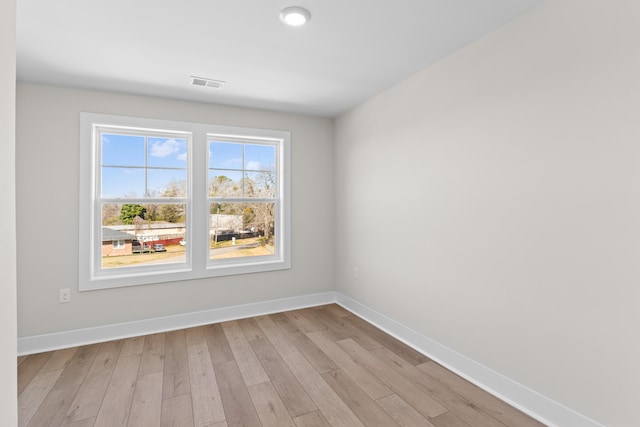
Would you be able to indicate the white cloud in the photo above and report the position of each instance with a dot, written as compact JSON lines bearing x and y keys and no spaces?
{"x":183,"y":156}
{"x":253,"y":165}
{"x":165,"y":148}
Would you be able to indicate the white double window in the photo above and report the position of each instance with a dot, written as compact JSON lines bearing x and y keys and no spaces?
{"x":183,"y":200}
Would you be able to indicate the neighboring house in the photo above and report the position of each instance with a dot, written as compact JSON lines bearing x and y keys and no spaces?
{"x":119,"y":239}
{"x":116,"y":242}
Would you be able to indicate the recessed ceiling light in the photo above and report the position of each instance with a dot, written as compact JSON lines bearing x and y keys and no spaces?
{"x":202,"y":81}
{"x":295,"y":16}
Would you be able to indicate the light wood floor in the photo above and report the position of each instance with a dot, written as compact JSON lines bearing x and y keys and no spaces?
{"x":315,"y":367}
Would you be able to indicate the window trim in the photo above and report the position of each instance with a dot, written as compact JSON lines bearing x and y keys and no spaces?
{"x":197,"y":265}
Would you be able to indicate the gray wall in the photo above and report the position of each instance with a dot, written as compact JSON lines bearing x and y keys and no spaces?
{"x":47,"y":205}
{"x":509,"y":173}
{"x":8,"y":400}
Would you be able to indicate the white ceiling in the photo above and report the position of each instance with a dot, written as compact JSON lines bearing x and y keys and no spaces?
{"x":348,"y":52}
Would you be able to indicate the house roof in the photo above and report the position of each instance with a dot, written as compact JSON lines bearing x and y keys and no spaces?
{"x":109,"y":234}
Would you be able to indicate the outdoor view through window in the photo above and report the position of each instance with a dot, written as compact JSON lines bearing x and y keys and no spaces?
{"x":144,"y":197}
{"x":242,"y":191}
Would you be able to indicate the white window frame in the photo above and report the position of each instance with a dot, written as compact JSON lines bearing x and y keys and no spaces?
{"x":118,"y":244}
{"x":197,"y":265}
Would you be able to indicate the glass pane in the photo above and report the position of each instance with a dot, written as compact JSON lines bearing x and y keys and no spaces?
{"x":167,"y":152}
{"x":167,"y":183}
{"x":259,"y":157}
{"x":225,"y":183}
{"x":241,"y":230}
{"x":122,"y":150}
{"x":225,"y":155}
{"x":260,"y":184}
{"x":122,"y":183}
{"x":143,"y":234}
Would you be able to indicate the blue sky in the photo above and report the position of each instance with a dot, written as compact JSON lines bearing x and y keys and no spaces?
{"x":127,"y":161}
{"x":228,"y":155}
{"x":123,"y":164}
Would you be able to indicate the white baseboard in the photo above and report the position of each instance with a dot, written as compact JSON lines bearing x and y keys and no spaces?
{"x":528,"y":401}
{"x":73,"y":338}
{"x":521,"y":397}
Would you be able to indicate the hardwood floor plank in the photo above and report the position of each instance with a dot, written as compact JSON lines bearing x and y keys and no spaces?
{"x":251,"y":329}
{"x":59,"y":359}
{"x":328,"y":402}
{"x":34,"y":394}
{"x":89,"y":398}
{"x":334,"y":310}
{"x":276,"y":335}
{"x":408,"y":391}
{"x":238,"y":407}
{"x":314,"y":321}
{"x":152,"y":354}
{"x":269,"y":406}
{"x":449,"y":419}
{"x":21,"y":359}
{"x":177,"y":412}
{"x":304,"y":321}
{"x":348,"y":330}
{"x":30,"y":367}
{"x":77,"y":369}
{"x":402,"y":412}
{"x":175,"y":379}
{"x":296,"y":337}
{"x":463,"y":409}
{"x":246,"y":359}
{"x":205,"y":396}
{"x":284,"y":323}
{"x":480,"y":398}
{"x":54,"y":408}
{"x":218,"y":345}
{"x":407,"y":353}
{"x":294,"y":397}
{"x":312,"y":419}
{"x":82,"y":423}
{"x":133,"y":346}
{"x":358,"y":400}
{"x":360,"y":375}
{"x":316,"y":357}
{"x":116,"y":404}
{"x":146,"y":407}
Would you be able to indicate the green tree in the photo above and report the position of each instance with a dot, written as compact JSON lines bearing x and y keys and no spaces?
{"x":128,"y":212}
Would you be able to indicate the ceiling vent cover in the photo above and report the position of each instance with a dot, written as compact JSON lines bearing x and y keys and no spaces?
{"x":201,"y":81}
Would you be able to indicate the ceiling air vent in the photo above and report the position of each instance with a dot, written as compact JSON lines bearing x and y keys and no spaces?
{"x":201,"y":81}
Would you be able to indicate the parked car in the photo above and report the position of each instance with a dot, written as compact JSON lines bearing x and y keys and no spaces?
{"x":159,"y":247}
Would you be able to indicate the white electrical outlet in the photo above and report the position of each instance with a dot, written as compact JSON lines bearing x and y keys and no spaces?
{"x":65,"y":295}
{"x":356,"y":273}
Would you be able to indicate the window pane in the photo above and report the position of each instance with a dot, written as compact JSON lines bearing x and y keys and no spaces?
{"x":225,"y":183}
{"x":150,"y":234}
{"x":260,"y":184}
{"x":122,"y":150}
{"x":167,"y":183}
{"x":167,"y":152}
{"x":259,"y":157}
{"x":122,"y":183}
{"x":225,"y":155}
{"x":241,"y":230}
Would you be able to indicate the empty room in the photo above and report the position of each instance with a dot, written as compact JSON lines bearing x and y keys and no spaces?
{"x":320,"y":213}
